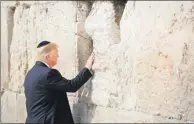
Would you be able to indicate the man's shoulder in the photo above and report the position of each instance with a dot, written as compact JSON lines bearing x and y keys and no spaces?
{"x":53,"y":72}
{"x":38,"y":71}
{"x":41,"y":69}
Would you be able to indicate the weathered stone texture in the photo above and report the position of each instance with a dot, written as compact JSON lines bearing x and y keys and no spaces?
{"x":157,"y":48}
{"x":93,"y":114}
{"x":8,"y":107}
{"x":20,"y":107}
{"x":144,"y":70}
{"x":4,"y":46}
{"x":104,"y":31}
{"x":144,"y":59}
{"x":26,"y":24}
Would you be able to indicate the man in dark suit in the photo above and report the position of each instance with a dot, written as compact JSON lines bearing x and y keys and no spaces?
{"x":45,"y":88}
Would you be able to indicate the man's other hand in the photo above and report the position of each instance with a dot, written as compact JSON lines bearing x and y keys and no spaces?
{"x":90,"y":61}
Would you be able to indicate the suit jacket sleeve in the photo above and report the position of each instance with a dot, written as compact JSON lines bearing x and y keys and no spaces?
{"x":57,"y":82}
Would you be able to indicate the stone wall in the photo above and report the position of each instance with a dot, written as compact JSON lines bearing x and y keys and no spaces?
{"x":144,"y":57}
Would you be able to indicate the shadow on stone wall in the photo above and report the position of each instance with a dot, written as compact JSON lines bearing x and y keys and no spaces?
{"x":84,"y":109}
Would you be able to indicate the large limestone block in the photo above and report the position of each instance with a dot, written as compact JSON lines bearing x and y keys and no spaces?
{"x":144,"y":70}
{"x":5,"y":38}
{"x":18,"y":49}
{"x":13,"y":108}
{"x":21,"y":112}
{"x":104,"y":31}
{"x":101,"y":22}
{"x":115,"y":115}
{"x":8,"y":107}
{"x":159,"y":35}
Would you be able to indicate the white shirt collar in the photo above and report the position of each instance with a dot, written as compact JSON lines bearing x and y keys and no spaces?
{"x":45,"y":64}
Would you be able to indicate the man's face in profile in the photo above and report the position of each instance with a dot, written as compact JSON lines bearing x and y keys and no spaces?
{"x":53,"y":57}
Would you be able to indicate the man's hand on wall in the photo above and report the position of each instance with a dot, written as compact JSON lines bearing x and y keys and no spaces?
{"x":90,"y":61}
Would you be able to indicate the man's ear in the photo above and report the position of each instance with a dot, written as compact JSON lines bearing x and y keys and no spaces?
{"x":47,"y":57}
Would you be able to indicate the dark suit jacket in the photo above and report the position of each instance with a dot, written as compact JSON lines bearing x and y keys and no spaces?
{"x":46,"y":98}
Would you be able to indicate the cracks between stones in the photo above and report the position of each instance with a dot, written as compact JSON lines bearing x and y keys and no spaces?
{"x":10,"y":26}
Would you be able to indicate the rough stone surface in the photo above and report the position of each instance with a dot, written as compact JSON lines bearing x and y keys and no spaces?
{"x":144,"y":71}
{"x":144,"y":59}
{"x":21,"y":106}
{"x":8,"y":107}
{"x":4,"y":46}
{"x":158,"y":47}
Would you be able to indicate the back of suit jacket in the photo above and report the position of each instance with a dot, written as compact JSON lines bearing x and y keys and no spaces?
{"x":46,"y":98}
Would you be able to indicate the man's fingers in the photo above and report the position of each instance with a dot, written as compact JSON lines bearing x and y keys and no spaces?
{"x":92,"y":55}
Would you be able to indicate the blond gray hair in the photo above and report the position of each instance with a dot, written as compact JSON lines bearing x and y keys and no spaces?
{"x":44,"y":51}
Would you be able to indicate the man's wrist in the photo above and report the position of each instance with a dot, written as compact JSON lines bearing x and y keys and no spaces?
{"x":89,"y":69}
{"x":91,"y":72}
